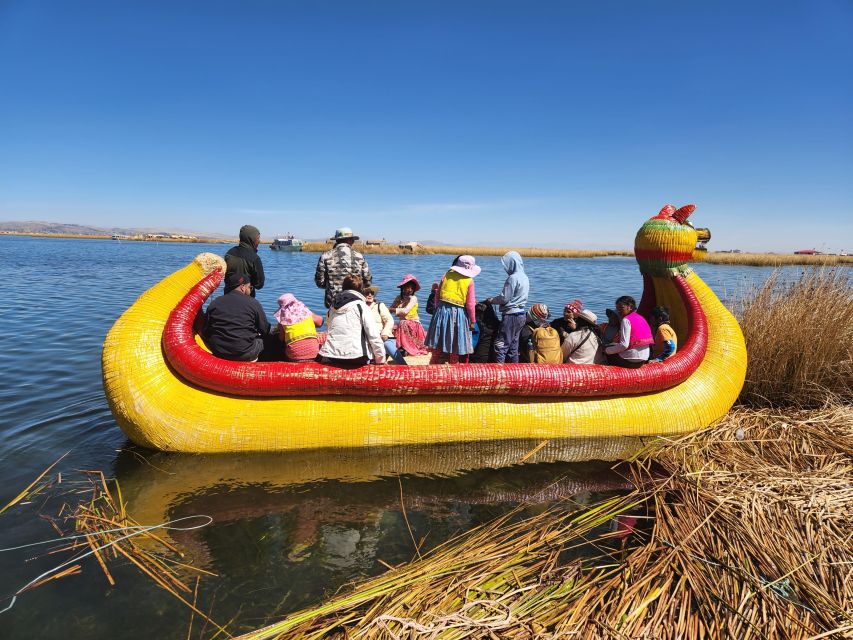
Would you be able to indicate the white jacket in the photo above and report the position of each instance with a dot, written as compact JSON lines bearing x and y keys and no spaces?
{"x":353,"y":332}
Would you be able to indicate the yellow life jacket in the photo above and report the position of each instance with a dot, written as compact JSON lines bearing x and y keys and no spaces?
{"x":454,"y":288}
{"x":413,"y":312}
{"x":299,"y":331}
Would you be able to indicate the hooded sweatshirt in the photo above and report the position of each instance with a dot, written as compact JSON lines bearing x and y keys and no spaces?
{"x":244,"y":259}
{"x":513,"y":298}
{"x":353,"y":332}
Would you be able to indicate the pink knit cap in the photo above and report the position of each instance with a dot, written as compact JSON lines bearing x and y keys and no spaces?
{"x":574,"y":306}
{"x":290,"y":310}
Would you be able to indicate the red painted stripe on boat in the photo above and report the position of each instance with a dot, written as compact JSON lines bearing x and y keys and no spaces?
{"x":659,"y":256}
{"x":282,"y":379}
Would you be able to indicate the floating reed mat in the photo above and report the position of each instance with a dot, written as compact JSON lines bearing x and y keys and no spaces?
{"x":104,"y":533}
{"x":750,"y":538}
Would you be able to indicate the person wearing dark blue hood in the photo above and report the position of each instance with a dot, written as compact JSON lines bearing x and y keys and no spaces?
{"x":244,"y":259}
{"x":512,"y":300}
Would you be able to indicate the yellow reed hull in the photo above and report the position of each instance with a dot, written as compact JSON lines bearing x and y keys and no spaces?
{"x":157,"y":409}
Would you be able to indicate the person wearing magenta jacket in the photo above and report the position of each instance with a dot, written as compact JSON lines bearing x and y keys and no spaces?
{"x":631,"y":347}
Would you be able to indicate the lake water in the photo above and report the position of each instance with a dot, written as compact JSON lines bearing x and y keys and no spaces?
{"x":287,"y":528}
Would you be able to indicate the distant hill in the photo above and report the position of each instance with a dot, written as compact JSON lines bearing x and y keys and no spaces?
{"x":34,"y":226}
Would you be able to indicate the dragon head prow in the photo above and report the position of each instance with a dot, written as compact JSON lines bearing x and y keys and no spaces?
{"x":665,"y":243}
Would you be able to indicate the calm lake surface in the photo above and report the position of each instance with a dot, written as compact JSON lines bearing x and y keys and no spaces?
{"x":287,"y":529}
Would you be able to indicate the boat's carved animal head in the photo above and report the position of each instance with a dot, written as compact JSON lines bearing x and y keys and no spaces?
{"x":664,"y":244}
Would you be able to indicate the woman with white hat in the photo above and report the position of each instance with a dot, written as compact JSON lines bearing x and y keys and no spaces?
{"x":584,"y":345}
{"x":454,"y":318}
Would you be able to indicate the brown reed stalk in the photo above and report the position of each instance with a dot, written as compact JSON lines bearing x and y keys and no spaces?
{"x":751,"y":538}
{"x":104,"y":523}
{"x":799,"y":337}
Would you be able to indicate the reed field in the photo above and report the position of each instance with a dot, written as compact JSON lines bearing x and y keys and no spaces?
{"x":799,"y":337}
{"x":528,"y":252}
{"x":775,"y":259}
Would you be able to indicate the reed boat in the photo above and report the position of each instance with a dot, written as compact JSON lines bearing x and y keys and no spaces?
{"x":168,"y":392}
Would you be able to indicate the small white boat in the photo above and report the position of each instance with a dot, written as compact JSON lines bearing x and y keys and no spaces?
{"x":287,"y":243}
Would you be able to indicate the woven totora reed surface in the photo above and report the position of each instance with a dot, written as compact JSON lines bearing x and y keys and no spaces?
{"x":749,"y":537}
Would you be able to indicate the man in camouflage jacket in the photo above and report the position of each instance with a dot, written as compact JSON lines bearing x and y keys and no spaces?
{"x":339,"y":262}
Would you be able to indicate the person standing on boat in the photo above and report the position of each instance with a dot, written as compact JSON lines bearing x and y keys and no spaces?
{"x":244,"y":259}
{"x":236,"y":327}
{"x":513,"y":303}
{"x":454,"y":317}
{"x":339,"y":262}
{"x":632,"y":345}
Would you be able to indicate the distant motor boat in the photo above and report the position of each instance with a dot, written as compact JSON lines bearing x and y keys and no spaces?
{"x":287,"y":243}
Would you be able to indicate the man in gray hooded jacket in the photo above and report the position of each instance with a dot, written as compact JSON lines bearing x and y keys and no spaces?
{"x":513,"y":301}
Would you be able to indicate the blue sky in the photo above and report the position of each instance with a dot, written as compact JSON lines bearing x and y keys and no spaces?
{"x":531,"y":124}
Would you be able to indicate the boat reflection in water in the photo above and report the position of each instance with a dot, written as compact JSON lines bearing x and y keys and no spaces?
{"x":324,"y":517}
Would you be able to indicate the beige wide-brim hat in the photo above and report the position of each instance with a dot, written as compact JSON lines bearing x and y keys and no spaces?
{"x":344,"y":233}
{"x":589,"y":316}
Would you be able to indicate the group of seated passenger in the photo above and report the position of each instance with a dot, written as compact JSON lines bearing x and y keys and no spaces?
{"x":362,"y":330}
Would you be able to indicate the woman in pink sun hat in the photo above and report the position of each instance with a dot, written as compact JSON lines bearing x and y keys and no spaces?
{"x":409,"y":332}
{"x":454,"y":318}
{"x":298,"y":329}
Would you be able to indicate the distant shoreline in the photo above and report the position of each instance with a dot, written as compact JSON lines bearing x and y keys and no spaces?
{"x":742,"y":259}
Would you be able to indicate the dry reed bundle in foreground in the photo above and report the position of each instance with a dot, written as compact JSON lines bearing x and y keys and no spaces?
{"x":799,"y":337}
{"x":751,"y":539}
{"x":103,"y":529}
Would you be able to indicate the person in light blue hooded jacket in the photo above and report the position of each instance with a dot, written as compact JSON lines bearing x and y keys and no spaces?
{"x":513,"y":303}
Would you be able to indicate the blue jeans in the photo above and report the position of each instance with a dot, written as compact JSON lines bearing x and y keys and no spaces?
{"x":393,"y":352}
{"x":506,"y":341}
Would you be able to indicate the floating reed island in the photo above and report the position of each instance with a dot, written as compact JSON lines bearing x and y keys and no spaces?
{"x":741,"y":530}
{"x":711,"y":257}
{"x":434,"y":249}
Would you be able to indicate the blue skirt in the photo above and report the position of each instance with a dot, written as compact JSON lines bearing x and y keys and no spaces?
{"x":448,"y":330}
